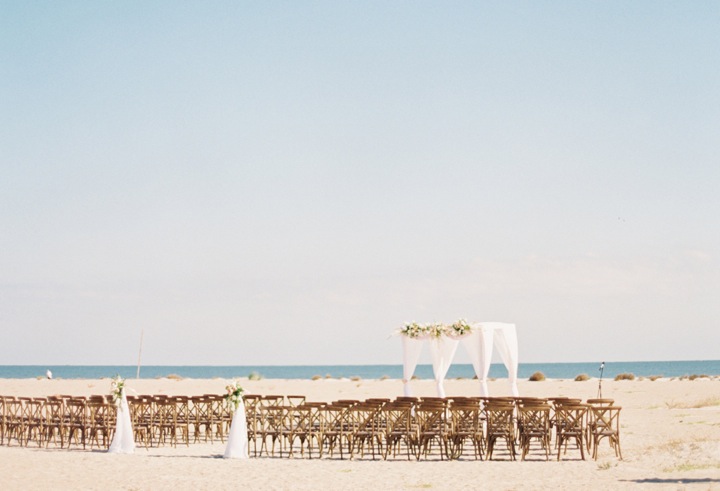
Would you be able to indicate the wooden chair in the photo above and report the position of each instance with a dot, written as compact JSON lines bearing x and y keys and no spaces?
{"x":253,"y":418}
{"x":362,"y":428}
{"x":276,"y":427}
{"x":164,"y":421}
{"x":305,"y":424}
{"x":183,"y":418}
{"x":75,"y":422}
{"x":141,"y":415}
{"x":14,"y":422}
{"x":534,"y":423}
{"x":219,"y":415}
{"x":499,"y":424}
{"x":101,"y":417}
{"x":54,"y":422}
{"x":333,"y":429}
{"x":604,"y":422}
{"x":33,"y":420}
{"x":396,"y":420}
{"x":465,"y":424}
{"x":429,"y":427}
{"x":202,"y":417}
{"x":570,"y":424}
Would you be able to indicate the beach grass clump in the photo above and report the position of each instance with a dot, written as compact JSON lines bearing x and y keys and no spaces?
{"x":327,"y":375}
{"x":173,"y":376}
{"x":254,"y":376}
{"x":624,"y":376}
{"x":537,"y":377}
{"x":582,"y":377}
{"x":695,"y":376}
{"x":384,"y":377}
{"x":653,"y":378}
{"x":355,"y":378}
{"x":316,"y":377}
{"x":708,"y":402}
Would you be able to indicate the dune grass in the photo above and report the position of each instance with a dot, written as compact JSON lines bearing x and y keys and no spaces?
{"x":537,"y":377}
{"x":625,"y":376}
{"x":707,"y":402}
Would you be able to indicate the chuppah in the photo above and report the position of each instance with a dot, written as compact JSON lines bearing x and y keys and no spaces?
{"x":478,"y":340}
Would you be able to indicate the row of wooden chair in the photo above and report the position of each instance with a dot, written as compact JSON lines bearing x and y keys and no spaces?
{"x":79,"y":421}
{"x":60,"y":420}
{"x":420,"y":428}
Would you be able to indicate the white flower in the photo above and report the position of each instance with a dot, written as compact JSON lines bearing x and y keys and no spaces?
{"x":233,"y":394}
{"x":117,"y":387}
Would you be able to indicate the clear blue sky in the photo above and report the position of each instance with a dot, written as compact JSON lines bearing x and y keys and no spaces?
{"x":289,"y":182}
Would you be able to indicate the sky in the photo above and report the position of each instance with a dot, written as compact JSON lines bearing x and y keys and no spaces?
{"x":279,"y":183}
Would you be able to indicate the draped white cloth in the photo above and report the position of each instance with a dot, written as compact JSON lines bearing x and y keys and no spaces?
{"x":443,"y":351}
{"x":123,"y":441}
{"x":507,"y":346}
{"x":411,"y":354}
{"x":237,"y":444}
{"x":479,"y":345}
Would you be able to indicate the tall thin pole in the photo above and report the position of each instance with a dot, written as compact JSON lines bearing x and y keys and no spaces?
{"x":602,"y":368}
{"x":142,"y":333}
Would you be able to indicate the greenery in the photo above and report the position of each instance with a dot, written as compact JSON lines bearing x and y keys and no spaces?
{"x":233,"y":394}
{"x":117,"y":387}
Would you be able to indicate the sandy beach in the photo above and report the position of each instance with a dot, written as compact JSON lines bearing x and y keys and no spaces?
{"x":670,"y":440}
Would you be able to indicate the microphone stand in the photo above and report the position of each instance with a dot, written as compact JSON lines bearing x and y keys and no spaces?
{"x":602,"y":367}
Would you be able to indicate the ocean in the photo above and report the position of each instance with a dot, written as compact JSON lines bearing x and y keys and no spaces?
{"x":551,"y":370}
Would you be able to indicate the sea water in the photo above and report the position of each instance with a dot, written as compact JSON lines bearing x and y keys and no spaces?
{"x":551,"y":370}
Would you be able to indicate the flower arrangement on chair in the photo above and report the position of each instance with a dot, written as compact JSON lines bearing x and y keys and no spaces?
{"x":234,"y":394}
{"x":117,"y":387}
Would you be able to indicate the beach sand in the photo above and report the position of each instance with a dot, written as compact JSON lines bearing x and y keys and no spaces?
{"x":670,"y":440}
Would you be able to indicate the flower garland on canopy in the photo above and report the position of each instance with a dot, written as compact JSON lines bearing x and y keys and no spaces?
{"x":414,"y":330}
{"x":117,"y":387}
{"x":234,"y":394}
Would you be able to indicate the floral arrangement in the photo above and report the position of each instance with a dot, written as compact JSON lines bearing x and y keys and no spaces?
{"x":117,"y":387}
{"x":459,"y":328}
{"x":435,"y":330}
{"x":412,"y":330}
{"x":233,"y":394}
{"x":415,"y":330}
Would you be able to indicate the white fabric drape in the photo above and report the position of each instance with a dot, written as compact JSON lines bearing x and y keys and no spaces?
{"x":123,"y":441}
{"x":472,"y":344}
{"x":237,"y":444}
{"x":411,"y":354}
{"x":442,"y":350}
{"x":507,"y":346}
{"x":485,"y":337}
